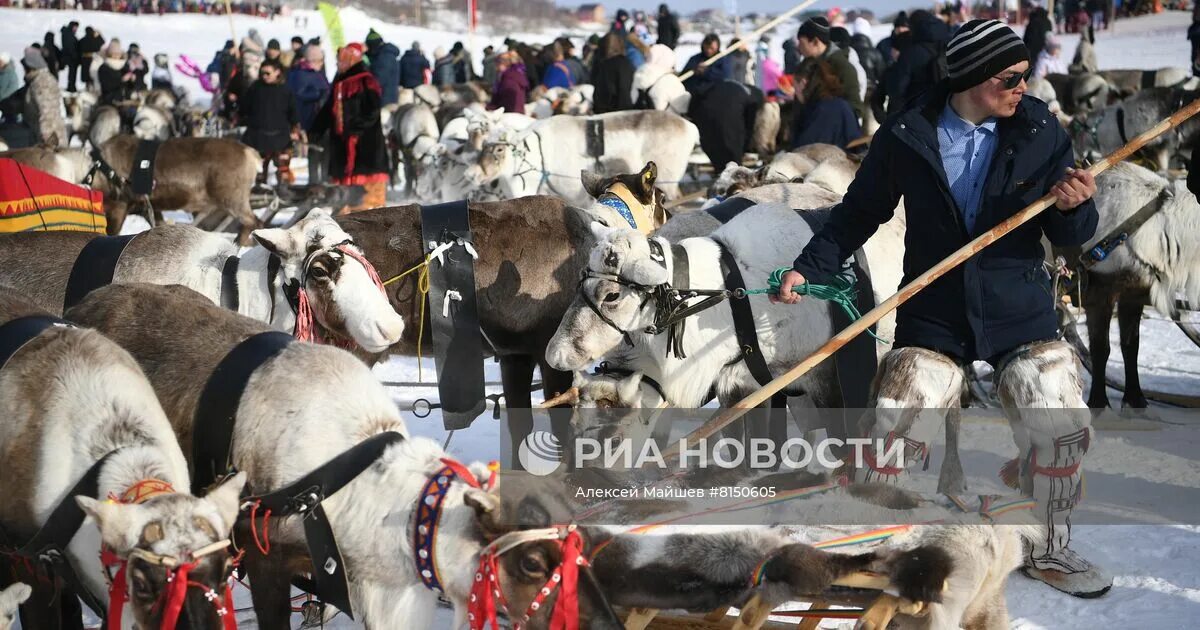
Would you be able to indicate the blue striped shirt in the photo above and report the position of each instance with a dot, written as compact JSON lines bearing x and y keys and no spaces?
{"x":967,"y":152}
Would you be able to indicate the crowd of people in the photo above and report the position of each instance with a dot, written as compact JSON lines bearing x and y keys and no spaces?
{"x":159,"y":7}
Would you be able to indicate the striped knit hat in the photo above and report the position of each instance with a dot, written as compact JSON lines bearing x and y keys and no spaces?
{"x":980,"y":50}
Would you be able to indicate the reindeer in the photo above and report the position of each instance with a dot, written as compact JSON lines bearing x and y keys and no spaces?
{"x":613,"y":305}
{"x":300,"y":409}
{"x":545,"y":157}
{"x":1101,"y":132}
{"x":68,"y":164}
{"x":315,"y":256}
{"x":1155,"y":266}
{"x":10,"y":599}
{"x":209,"y":177}
{"x":73,"y":401}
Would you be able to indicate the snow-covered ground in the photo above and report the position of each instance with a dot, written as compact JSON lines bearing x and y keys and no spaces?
{"x":1156,"y":564}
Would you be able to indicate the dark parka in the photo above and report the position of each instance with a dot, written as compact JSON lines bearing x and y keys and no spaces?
{"x":613,"y":81}
{"x":269,"y":113}
{"x":668,"y":29}
{"x":1000,"y":298}
{"x":412,"y":68}
{"x":385,"y":65}
{"x":913,"y":73}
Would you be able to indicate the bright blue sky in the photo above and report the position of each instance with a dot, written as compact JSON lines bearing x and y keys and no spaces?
{"x":880,"y":7}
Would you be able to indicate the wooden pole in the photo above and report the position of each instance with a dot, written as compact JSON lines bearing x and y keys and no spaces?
{"x":924,"y":280}
{"x":751,"y":37}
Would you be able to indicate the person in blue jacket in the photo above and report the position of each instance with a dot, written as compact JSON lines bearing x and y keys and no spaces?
{"x":384,"y":61}
{"x":557,"y":74}
{"x":966,"y":156}
{"x":720,"y":70}
{"x":413,"y":66}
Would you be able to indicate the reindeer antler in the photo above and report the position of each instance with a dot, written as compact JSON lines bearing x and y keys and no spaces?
{"x":569,"y":397}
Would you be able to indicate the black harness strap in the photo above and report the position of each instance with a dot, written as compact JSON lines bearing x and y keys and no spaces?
{"x":94,"y":267}
{"x":751,"y":353}
{"x":457,"y":340}
{"x":1148,"y":78}
{"x":14,"y":334}
{"x":1121,"y":125}
{"x":305,"y":496}
{"x":216,"y":411}
{"x":49,"y":545}
{"x":855,"y":362}
{"x":141,"y":178}
{"x":595,"y":138}
{"x":730,"y":208}
{"x":1118,"y":235}
{"x":229,"y":288}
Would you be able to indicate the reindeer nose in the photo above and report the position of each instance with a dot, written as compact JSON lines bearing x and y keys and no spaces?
{"x":390,"y":329}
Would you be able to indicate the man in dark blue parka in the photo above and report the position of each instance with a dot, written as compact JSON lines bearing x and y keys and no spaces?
{"x":385,"y":65}
{"x":968,"y":154}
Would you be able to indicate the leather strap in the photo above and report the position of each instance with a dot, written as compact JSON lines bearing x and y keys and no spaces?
{"x":229,"y":288}
{"x":15,"y":333}
{"x":216,"y":411}
{"x":457,"y":342}
{"x":304,"y":497}
{"x":94,"y":267}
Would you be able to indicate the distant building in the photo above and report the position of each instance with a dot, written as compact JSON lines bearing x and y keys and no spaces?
{"x":591,"y":13}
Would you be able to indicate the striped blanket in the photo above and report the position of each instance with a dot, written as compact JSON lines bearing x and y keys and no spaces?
{"x":31,"y":200}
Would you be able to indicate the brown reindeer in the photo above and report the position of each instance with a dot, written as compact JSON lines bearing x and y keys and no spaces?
{"x":209,"y":177}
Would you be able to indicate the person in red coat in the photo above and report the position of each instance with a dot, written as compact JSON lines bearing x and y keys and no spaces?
{"x":358,"y":154}
{"x":513,"y":86}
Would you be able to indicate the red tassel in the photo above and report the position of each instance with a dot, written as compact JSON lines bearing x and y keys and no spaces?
{"x":176,"y":594}
{"x":481,"y":609}
{"x":1010,"y":473}
{"x":118,"y":592}
{"x":566,"y":609}
{"x":306,"y":325}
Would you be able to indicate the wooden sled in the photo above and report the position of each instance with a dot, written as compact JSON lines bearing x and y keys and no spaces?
{"x":861,"y":596}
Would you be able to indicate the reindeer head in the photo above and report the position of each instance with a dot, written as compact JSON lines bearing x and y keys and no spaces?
{"x":11,"y":598}
{"x":161,"y":537}
{"x":616,"y":390}
{"x":529,"y":551}
{"x":321,"y":265}
{"x":613,"y":302}
{"x":636,"y":192}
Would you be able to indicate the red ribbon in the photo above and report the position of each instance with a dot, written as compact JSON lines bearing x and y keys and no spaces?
{"x":118,"y":591}
{"x":566,"y":609}
{"x":177,"y":586}
{"x":481,"y":609}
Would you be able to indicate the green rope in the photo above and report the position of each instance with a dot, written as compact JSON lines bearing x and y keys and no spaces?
{"x":840,"y":291}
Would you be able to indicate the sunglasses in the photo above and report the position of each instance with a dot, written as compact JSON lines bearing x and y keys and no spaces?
{"x":1011,"y":81}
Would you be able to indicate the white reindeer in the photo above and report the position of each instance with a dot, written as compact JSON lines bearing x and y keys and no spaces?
{"x":622,"y":271}
{"x":316,"y":257}
{"x":545,"y":158}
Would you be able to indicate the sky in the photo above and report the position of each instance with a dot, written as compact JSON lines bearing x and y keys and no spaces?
{"x":880,"y":7}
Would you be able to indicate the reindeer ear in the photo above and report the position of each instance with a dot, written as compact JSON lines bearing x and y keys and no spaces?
{"x":627,"y":388}
{"x":645,"y":272}
{"x":601,"y":231}
{"x":482,"y":501}
{"x":52,"y":141}
{"x":118,"y":522}
{"x":227,"y":498}
{"x":320,"y":213}
{"x":16,"y":594}
{"x":277,"y":241}
{"x":592,"y":183}
{"x":647,"y":178}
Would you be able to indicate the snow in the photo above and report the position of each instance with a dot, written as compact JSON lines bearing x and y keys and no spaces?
{"x":1153,"y":557}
